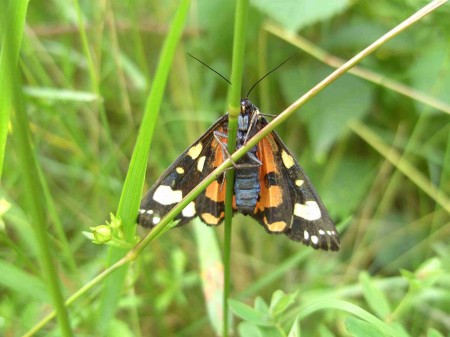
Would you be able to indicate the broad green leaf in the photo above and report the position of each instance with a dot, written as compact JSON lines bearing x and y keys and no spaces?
{"x":249,"y":329}
{"x":261,"y":305}
{"x":280,"y":301}
{"x":250,"y":314}
{"x":271,"y":331}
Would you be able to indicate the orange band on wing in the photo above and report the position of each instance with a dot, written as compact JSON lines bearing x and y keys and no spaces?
{"x":216,"y":191}
{"x":270,"y":196}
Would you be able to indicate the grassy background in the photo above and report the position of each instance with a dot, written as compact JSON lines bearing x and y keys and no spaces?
{"x":391,"y":276}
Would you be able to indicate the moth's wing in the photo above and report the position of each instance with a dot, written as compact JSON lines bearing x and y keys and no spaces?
{"x":180,"y":178}
{"x":210,"y":204}
{"x":288,"y":202}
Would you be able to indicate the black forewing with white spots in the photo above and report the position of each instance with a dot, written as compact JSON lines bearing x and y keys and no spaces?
{"x":179,"y":179}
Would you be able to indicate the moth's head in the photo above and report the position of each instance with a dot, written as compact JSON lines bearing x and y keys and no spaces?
{"x":247,"y":107}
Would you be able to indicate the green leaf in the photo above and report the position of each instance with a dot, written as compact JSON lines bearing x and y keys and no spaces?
{"x":249,"y":329}
{"x":374,"y":297}
{"x":261,"y":305}
{"x":359,"y":328}
{"x":249,"y":314}
{"x":296,"y":14}
{"x":280,"y":301}
{"x":271,"y":331}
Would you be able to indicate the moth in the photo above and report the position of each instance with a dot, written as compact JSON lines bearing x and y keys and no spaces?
{"x":270,"y":186}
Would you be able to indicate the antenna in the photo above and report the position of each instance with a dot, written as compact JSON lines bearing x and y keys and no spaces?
{"x":278,"y":66}
{"x":207,"y":66}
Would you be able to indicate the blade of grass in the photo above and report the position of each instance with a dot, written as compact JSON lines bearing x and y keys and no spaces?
{"x":327,"y":303}
{"x":10,"y":87}
{"x":134,"y":182}
{"x":36,"y":205}
{"x":240,"y":28}
{"x":14,"y":22}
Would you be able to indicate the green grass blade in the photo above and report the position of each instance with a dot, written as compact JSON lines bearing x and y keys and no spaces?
{"x":325,"y":304}
{"x":134,"y":182}
{"x":241,"y":15}
{"x":9,"y":57}
{"x":10,"y":86}
{"x":36,"y":205}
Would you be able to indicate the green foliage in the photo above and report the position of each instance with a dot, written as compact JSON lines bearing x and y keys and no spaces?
{"x":286,"y":12}
{"x":378,"y":153}
{"x":265,"y":319}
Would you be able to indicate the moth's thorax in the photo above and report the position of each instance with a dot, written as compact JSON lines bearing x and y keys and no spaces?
{"x":243,"y":122}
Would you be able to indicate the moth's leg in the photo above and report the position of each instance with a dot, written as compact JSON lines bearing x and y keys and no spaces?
{"x":225,"y":152}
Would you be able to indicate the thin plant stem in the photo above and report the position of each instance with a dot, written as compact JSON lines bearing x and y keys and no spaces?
{"x":240,"y":25}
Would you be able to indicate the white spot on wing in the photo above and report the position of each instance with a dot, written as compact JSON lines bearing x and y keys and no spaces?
{"x":314,"y":239}
{"x":189,"y":210}
{"x":321,"y":232}
{"x":308,"y":211}
{"x":288,"y":161}
{"x":179,"y":170}
{"x":156,"y":220}
{"x":306,"y":235}
{"x":201,"y":163}
{"x":149,"y":212}
{"x":142,"y":211}
{"x":195,"y":151}
{"x":166,"y":196}
{"x":299,"y":182}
